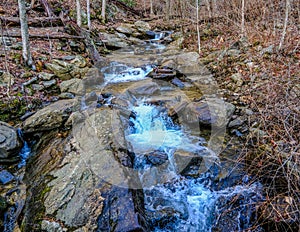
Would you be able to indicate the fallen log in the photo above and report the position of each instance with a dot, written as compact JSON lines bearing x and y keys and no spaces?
{"x":41,"y":21}
{"x":47,"y":36}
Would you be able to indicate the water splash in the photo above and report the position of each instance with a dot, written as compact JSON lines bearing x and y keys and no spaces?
{"x":174,"y":202}
{"x":10,"y":219}
{"x":116,"y":72}
{"x":191,"y":205}
{"x":152,"y":130}
{"x":159,"y":35}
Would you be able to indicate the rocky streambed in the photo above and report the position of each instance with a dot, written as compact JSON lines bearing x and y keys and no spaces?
{"x":140,"y":146}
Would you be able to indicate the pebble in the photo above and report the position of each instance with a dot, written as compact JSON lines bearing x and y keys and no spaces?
{"x":5,"y":177}
{"x":37,"y":87}
{"x":235,"y":123}
{"x":49,"y":84}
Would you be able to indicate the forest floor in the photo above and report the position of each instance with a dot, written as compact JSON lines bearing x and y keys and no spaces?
{"x":270,"y":88}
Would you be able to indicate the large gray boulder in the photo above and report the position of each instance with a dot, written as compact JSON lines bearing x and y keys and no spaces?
{"x":88,"y":179}
{"x":50,"y":117}
{"x":125,"y":28}
{"x":74,"y":86}
{"x":212,"y":112}
{"x":114,"y":40}
{"x":142,"y":26}
{"x":76,"y":68}
{"x":10,"y":144}
{"x":61,"y":69}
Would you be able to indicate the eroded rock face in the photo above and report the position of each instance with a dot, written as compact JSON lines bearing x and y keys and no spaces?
{"x":88,"y":178}
{"x":10,"y":144}
{"x":50,"y":117}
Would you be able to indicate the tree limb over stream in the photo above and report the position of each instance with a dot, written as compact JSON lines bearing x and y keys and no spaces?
{"x":41,"y":21}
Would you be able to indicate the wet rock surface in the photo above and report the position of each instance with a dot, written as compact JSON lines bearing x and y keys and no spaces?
{"x":81,"y":173}
{"x":157,"y":157}
{"x":210,"y":112}
{"x":10,"y":144}
{"x":5,"y":177}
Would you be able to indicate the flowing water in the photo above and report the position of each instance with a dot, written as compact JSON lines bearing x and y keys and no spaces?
{"x":173,"y":201}
{"x":116,"y":73}
{"x":178,"y":203}
{"x":25,"y":151}
{"x":163,"y":150}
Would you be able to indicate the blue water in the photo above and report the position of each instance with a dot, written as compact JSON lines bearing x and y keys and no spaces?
{"x":152,"y":130}
{"x":174,"y":202}
{"x":25,"y":151}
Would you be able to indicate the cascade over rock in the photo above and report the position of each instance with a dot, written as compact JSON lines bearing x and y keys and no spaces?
{"x":126,"y":154}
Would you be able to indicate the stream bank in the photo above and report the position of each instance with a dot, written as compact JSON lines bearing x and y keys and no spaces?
{"x":84,"y":171}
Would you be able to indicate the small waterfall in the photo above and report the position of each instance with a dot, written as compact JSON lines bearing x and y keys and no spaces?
{"x":10,"y":219}
{"x":159,"y":35}
{"x":25,"y":151}
{"x":152,"y":130}
{"x":116,"y":73}
{"x":174,"y":202}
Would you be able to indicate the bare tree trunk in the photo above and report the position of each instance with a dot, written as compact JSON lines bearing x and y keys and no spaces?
{"x":24,"y":33}
{"x":32,"y":3}
{"x":243,"y":18}
{"x":198,"y":31}
{"x":151,"y":8}
{"x":103,"y":9}
{"x":287,"y":10}
{"x":214,"y":7}
{"x":182,"y":10}
{"x":208,"y":8}
{"x":144,"y":7}
{"x":88,"y":13}
{"x":5,"y":59}
{"x":47,"y":8}
{"x":167,"y":9}
{"x":78,"y":13}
